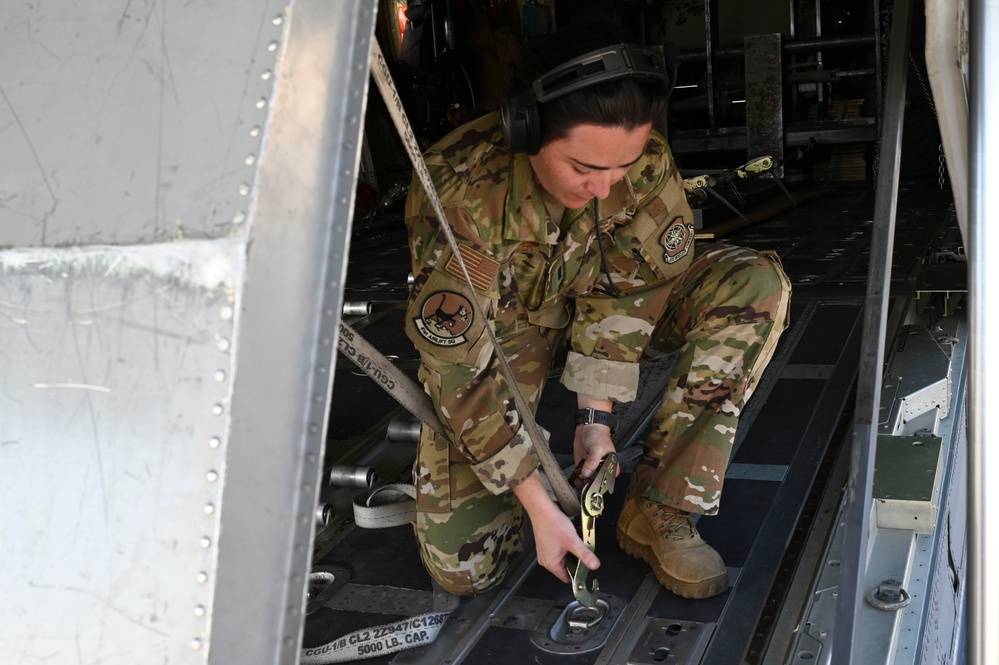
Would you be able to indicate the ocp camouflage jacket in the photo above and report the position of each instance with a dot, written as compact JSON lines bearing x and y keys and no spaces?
{"x":536,"y":277}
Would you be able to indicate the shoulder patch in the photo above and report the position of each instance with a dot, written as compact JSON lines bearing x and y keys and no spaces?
{"x":445,"y":317}
{"x":481,"y":268}
{"x":676,"y":240}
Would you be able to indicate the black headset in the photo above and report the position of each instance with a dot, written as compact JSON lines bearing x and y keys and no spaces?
{"x":519,"y":115}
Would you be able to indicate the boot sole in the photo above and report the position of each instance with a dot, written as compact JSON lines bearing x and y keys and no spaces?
{"x":694,"y":590}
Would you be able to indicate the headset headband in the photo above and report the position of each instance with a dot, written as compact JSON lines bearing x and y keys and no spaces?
{"x":605,"y":64}
{"x":521,"y":125}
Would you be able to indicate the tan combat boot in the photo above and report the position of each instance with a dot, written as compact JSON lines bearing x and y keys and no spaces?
{"x":666,"y":539}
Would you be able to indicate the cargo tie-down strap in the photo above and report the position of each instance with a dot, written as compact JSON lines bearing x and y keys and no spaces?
{"x":383,"y":507}
{"x":370,"y":360}
{"x":387,"y":638}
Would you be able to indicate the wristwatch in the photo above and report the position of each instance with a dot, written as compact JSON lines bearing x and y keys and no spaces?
{"x":592,"y":416}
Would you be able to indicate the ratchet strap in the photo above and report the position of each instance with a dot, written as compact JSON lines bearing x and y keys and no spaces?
{"x":371,"y":361}
{"x":387,"y":638}
{"x":386,"y":506}
{"x":383,"y":79}
{"x":593,"y":492}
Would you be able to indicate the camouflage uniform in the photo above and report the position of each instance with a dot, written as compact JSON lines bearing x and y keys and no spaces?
{"x":536,"y":269}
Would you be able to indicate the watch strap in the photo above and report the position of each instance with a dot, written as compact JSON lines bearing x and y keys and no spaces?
{"x":590,"y":416}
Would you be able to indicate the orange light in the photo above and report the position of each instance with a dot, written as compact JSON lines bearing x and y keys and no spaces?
{"x":401,"y":16}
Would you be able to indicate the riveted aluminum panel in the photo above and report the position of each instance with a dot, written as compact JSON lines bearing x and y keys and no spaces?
{"x":165,"y":369}
{"x":130,"y":122}
{"x":114,"y":389}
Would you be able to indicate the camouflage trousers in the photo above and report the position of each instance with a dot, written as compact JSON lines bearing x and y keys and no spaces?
{"x":724,"y":316}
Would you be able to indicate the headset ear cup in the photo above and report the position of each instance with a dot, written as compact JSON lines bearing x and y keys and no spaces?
{"x":508,"y":122}
{"x":521,"y":126}
{"x":532,"y":130}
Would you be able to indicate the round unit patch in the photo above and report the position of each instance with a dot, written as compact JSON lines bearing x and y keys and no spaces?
{"x":445,"y":317}
{"x":676,"y":240}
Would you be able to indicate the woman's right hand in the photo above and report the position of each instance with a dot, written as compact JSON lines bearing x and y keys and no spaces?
{"x":554,"y":533}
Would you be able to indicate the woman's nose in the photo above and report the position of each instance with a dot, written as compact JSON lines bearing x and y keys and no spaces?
{"x":600,"y":183}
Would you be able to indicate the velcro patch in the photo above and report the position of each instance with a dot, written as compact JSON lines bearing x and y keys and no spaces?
{"x":656,"y":209}
{"x":481,"y":268}
{"x":676,"y":240}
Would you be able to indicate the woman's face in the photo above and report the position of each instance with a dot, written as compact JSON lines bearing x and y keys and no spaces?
{"x":585,"y":163}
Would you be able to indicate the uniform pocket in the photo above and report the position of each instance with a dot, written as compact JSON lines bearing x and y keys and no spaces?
{"x":432,"y":473}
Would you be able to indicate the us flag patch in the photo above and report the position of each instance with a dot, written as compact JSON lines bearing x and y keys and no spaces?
{"x":481,"y":268}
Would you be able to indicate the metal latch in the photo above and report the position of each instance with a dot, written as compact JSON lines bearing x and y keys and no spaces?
{"x":592,"y":504}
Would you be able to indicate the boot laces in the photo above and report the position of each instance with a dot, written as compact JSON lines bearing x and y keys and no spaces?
{"x":672,"y":523}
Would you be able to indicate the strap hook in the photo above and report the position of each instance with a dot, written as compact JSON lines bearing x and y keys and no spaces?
{"x":592,"y":503}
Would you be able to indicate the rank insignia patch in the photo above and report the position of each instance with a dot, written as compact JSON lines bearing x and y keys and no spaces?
{"x":445,"y":317}
{"x":656,"y":209}
{"x":676,"y":240}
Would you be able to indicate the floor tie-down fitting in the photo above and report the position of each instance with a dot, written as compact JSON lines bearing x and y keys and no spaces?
{"x":576,"y":628}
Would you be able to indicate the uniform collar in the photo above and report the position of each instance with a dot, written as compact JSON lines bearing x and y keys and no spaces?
{"x":527,"y":218}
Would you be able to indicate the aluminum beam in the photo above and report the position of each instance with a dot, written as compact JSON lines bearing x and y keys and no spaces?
{"x":983,"y":462}
{"x":946,"y":67}
{"x":296,"y":265}
{"x":847,"y":648}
